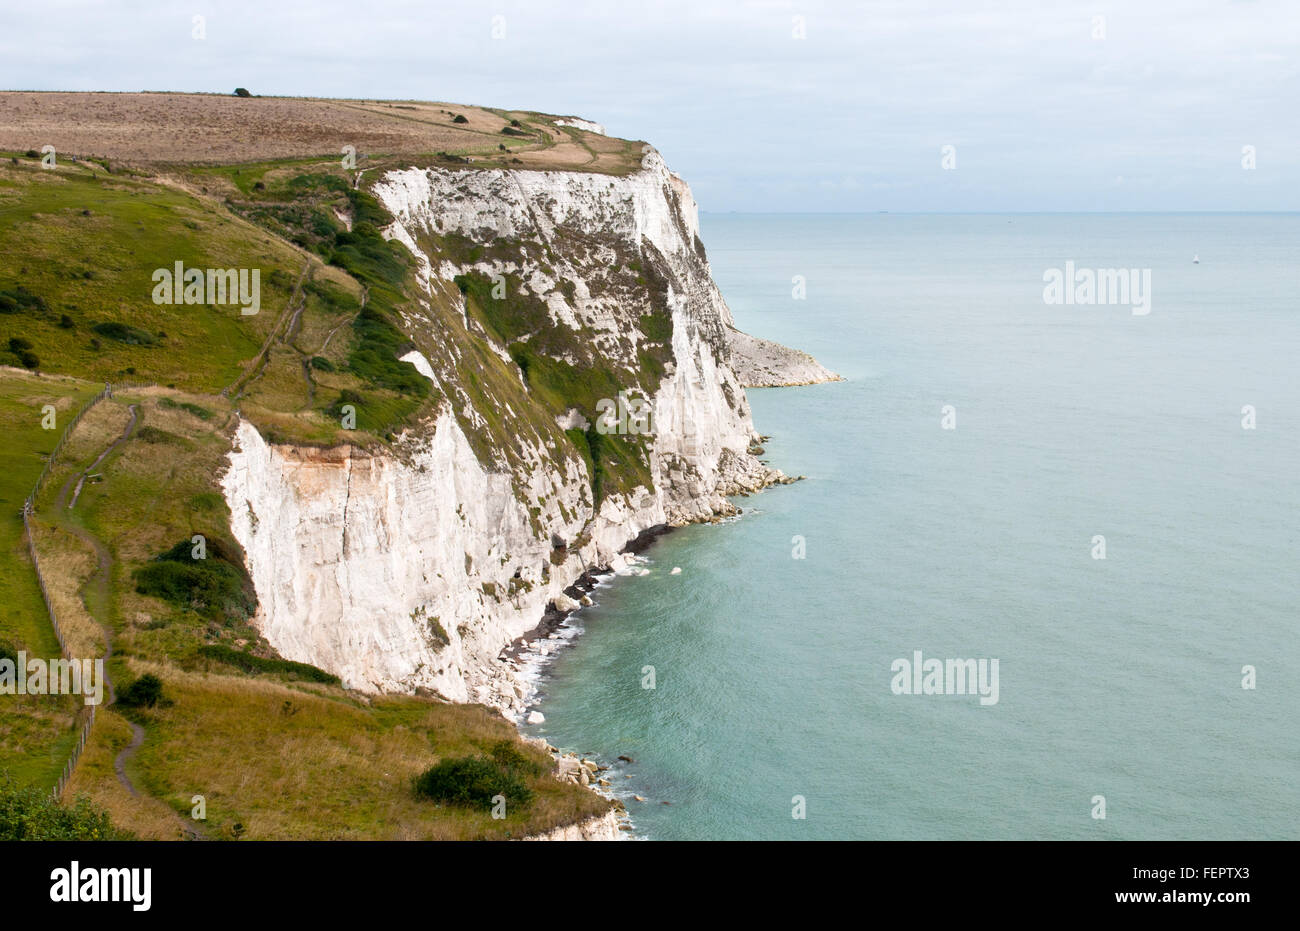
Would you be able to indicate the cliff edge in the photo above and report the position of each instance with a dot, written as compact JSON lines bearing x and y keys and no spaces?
{"x":588,"y":384}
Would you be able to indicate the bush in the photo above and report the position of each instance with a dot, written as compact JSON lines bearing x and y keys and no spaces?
{"x":200,"y":412}
{"x":9,"y":651}
{"x":472,"y":781}
{"x":459,"y":119}
{"x":144,"y":692}
{"x":66,"y":322}
{"x":507,"y":754}
{"x":211,"y":587}
{"x":322,"y":364}
{"x":242,"y":92}
{"x":29,"y":360}
{"x":375,"y":358}
{"x":29,"y":813}
{"x":18,"y":298}
{"x":125,"y":333}
{"x":151,"y":434}
{"x":255,"y":664}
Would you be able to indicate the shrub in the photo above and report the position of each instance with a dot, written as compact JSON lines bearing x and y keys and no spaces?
{"x":66,"y":322}
{"x":375,"y":358}
{"x":9,"y":651}
{"x":322,"y":364}
{"x":472,"y":781}
{"x":507,"y":754}
{"x":657,"y":326}
{"x":29,"y":360}
{"x":242,"y":92}
{"x":29,"y":813}
{"x":255,"y":664}
{"x":151,"y":434}
{"x":458,"y":118}
{"x":18,"y":298}
{"x":18,"y":344}
{"x":125,"y":333}
{"x":200,"y":412}
{"x":212,"y":587}
{"x":144,"y":692}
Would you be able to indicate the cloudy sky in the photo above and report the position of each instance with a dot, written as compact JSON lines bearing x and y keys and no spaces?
{"x":1048,"y":104}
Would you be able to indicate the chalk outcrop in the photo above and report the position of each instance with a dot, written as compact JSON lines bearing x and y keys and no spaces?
{"x":602,"y":827}
{"x":410,"y":567}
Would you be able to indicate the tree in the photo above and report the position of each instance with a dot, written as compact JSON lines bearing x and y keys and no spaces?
{"x":242,"y":92}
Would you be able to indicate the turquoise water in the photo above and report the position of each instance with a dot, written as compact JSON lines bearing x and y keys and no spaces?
{"x":1119,"y":677}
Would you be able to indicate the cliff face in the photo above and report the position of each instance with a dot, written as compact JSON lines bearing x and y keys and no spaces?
{"x":539,"y":298}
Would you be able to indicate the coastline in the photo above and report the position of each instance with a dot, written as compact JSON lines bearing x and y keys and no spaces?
{"x":530,"y":656}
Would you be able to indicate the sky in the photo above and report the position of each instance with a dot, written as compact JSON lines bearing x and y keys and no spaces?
{"x":1047,"y":105}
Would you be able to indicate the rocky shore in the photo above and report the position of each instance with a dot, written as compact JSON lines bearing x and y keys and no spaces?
{"x":537,"y":646}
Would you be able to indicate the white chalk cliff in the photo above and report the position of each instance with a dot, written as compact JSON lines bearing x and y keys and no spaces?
{"x":411,"y":566}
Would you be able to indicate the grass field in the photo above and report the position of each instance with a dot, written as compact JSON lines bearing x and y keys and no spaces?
{"x":313,"y":762}
{"x":88,"y":245}
{"x":35,"y":731}
{"x":151,"y":129}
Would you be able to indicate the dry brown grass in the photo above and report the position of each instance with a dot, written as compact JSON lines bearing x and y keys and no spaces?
{"x":68,"y":564}
{"x":212,"y":129}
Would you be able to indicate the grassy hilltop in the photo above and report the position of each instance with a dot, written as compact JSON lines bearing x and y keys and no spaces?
{"x":140,"y":182}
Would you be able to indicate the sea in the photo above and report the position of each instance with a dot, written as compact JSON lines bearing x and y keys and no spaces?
{"x":1084,"y":508}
